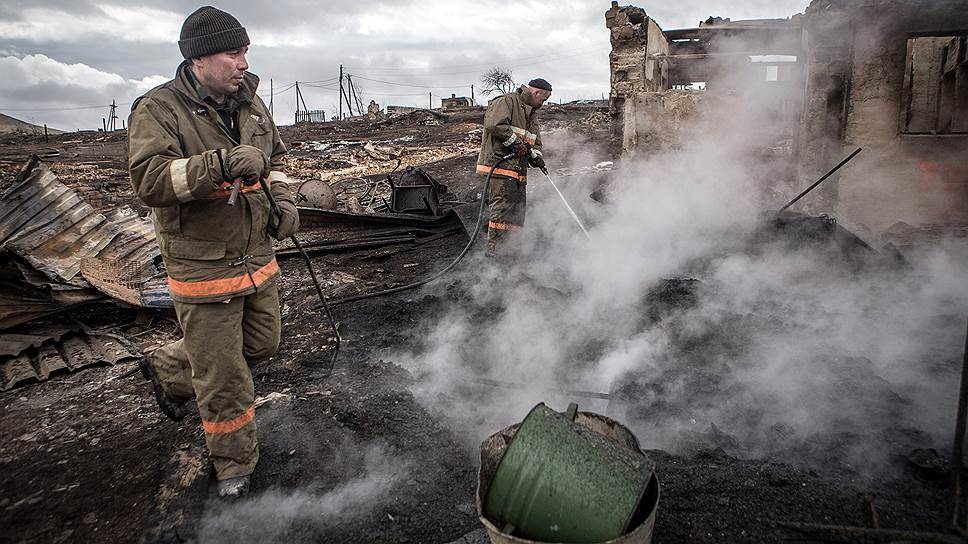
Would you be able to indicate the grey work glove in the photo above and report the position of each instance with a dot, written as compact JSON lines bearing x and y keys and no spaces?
{"x":521,"y":149}
{"x":246,"y":162}
{"x":287,"y":225}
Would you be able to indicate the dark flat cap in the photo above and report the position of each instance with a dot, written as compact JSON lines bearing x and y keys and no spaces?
{"x":539,"y":83}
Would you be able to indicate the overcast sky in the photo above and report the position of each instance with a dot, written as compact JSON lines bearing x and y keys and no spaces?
{"x":59,"y":58}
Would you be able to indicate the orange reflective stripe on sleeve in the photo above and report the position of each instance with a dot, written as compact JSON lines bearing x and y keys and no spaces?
{"x":484,"y":169}
{"x":223,"y":286}
{"x":525,"y":135}
{"x":230,"y":426}
{"x":502,"y":226}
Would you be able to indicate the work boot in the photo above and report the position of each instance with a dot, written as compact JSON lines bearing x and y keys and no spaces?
{"x":170,"y":406}
{"x":233,"y":488}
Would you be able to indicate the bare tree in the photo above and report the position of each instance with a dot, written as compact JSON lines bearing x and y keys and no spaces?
{"x":497,"y":80}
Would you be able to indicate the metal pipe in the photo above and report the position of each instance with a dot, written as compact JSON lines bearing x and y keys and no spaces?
{"x":236,"y":188}
{"x":312,"y":273}
{"x":819,"y":181}
{"x":952,"y":509}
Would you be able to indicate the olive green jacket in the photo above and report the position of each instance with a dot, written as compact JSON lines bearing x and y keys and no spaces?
{"x":176,"y":152}
{"x":508,"y":120}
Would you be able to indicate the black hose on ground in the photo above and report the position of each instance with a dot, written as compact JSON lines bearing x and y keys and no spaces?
{"x":477,"y":229}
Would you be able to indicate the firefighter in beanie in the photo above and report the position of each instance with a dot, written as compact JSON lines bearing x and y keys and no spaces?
{"x":191,"y":140}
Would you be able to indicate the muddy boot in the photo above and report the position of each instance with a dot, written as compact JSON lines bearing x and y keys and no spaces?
{"x":233,"y":488}
{"x":170,"y":406}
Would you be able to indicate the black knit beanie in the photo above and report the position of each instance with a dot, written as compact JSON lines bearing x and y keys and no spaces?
{"x":210,"y":30}
{"x":539,"y":83}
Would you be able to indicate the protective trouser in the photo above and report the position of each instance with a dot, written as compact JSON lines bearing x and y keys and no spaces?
{"x":507,"y":202}
{"x":211,"y":363}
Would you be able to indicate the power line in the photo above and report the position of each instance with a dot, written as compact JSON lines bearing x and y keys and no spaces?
{"x":390,"y":95}
{"x":326,"y":87}
{"x":461,"y":86}
{"x":66,"y":108}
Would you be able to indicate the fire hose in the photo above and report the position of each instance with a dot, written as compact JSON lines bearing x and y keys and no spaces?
{"x":470,"y":243}
{"x":432,"y":277}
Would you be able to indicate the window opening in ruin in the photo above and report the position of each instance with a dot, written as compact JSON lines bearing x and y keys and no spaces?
{"x":694,"y":86}
{"x":773,"y":73}
{"x":935,"y":99}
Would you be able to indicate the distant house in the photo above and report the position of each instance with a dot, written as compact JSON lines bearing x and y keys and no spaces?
{"x":456,"y":102}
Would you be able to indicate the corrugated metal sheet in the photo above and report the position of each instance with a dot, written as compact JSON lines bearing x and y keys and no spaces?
{"x":26,"y":294}
{"x":47,"y":224}
{"x":30,"y":358}
{"x":130,"y":267}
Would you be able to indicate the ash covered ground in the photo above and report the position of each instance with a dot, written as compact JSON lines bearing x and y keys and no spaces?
{"x":776,"y":369}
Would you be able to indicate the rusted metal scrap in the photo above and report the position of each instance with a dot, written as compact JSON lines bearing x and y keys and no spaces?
{"x":27,"y":295}
{"x":330,"y":231}
{"x":48,"y":225}
{"x":45,"y":351}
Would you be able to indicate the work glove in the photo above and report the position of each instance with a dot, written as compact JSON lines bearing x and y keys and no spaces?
{"x":537,"y":161}
{"x":283,"y":227}
{"x":248,"y":163}
{"x":520,"y":149}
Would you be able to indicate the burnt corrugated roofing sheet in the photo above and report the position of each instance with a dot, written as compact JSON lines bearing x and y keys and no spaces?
{"x":35,"y":357}
{"x":46,"y":223}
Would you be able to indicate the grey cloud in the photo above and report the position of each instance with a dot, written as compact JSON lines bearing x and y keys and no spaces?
{"x":578,"y":68}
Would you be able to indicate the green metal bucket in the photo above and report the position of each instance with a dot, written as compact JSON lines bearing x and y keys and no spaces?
{"x":562,"y":482}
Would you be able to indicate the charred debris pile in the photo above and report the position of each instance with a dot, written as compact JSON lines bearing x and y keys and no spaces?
{"x":63,"y":259}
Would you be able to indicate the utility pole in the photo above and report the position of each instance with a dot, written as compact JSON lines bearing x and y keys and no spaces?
{"x":473,"y":101}
{"x":341,"y":91}
{"x":355,"y":95}
{"x":104,"y":125}
{"x":305,"y":108}
{"x":112,"y":122}
{"x":46,"y":136}
{"x":349,"y":94}
{"x":270,"y":100}
{"x":431,"y":99}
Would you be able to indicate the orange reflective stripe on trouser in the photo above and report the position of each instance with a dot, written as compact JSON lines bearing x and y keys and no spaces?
{"x":230,"y":426}
{"x":484,"y":169}
{"x":502,"y":226}
{"x":223,"y":286}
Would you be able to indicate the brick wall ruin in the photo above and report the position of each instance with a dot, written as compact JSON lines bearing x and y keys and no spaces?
{"x":890,"y":76}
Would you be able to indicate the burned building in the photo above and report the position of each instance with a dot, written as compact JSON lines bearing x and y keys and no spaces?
{"x":455,"y":103}
{"x":889,"y":76}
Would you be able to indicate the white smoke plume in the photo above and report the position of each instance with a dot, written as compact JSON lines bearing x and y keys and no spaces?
{"x":779,"y":347}
{"x":277,"y":515}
